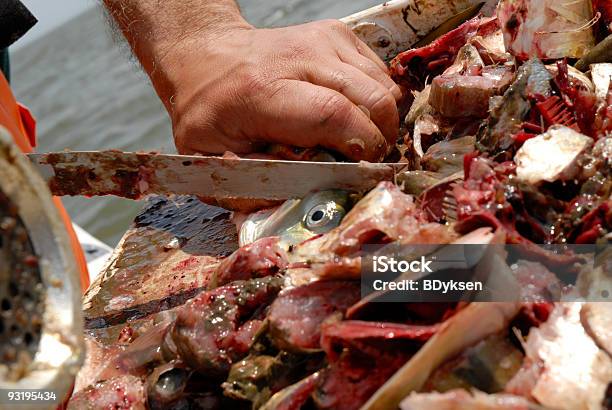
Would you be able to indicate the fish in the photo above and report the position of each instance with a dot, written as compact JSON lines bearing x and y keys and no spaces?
{"x":597,"y":321}
{"x":282,"y":323}
{"x":250,"y":379}
{"x":579,"y":78}
{"x":560,"y":357}
{"x":508,"y":112}
{"x":126,"y":392}
{"x":468,"y":57}
{"x":361,"y":356}
{"x":166,"y":385}
{"x":295,"y":317}
{"x":449,"y":25}
{"x":297,"y":220}
{"x":385,"y":214}
{"x":487,"y":366}
{"x":483,"y":319}
{"x":294,"y":396}
{"x":463,"y":400}
{"x":601,"y":53}
{"x":216,"y":328}
{"x":446,"y":157}
{"x":416,"y":182}
{"x":259,"y":376}
{"x":602,"y":78}
{"x":547,"y":28}
{"x":551,"y":156}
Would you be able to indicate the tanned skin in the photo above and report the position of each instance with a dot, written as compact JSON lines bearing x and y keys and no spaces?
{"x":231,"y":87}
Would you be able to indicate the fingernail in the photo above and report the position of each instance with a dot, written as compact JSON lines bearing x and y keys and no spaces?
{"x":357,"y":146}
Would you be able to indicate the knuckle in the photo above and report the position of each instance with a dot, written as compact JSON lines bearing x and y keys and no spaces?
{"x":337,"y":25}
{"x":341,"y":79}
{"x":334,"y":109}
{"x":382,"y":102}
{"x":251,"y":81}
{"x":329,"y":29}
{"x":379,"y":74}
{"x":297,"y":50}
{"x":275,"y":88}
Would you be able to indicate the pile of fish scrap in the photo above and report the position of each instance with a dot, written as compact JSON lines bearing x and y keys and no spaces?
{"x":509,"y":133}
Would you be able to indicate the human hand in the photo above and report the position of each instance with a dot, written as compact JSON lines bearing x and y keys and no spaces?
{"x":311,"y":85}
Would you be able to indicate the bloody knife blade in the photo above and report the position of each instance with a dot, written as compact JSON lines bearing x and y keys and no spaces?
{"x":136,"y":175}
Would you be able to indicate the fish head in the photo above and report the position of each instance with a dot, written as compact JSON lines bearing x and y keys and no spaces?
{"x":298,"y":220}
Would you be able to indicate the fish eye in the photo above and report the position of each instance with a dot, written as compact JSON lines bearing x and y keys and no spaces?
{"x":324,"y":217}
{"x":318,"y":216}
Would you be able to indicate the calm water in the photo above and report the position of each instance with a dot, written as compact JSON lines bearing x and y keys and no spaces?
{"x":88,"y":94}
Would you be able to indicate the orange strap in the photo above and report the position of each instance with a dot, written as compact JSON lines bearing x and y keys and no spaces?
{"x":22,"y":126}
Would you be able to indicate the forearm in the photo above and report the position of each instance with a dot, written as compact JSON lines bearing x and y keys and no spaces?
{"x":154,"y":29}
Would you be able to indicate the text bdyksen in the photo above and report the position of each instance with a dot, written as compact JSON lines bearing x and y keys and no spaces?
{"x":390,"y":265}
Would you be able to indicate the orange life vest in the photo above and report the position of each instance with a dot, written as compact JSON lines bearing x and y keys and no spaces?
{"x":18,"y":120}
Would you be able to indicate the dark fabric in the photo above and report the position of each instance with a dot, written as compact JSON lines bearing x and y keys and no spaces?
{"x":15,"y":21}
{"x":4,"y":64}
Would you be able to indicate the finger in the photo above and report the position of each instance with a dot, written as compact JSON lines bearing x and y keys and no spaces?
{"x":371,"y":69}
{"x":368,"y":53}
{"x":203,"y":141}
{"x":196,"y":136}
{"x":363,"y":91}
{"x":210,"y":127}
{"x":307,"y":115}
{"x":353,"y":41}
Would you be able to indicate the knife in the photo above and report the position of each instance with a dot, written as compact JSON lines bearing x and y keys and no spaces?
{"x":136,"y":175}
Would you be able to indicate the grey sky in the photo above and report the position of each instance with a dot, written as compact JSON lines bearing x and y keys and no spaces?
{"x":50,"y":14}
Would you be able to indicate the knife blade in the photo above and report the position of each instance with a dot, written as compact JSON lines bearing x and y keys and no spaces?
{"x":136,"y":175}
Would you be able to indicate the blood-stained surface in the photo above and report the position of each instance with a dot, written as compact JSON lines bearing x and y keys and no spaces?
{"x":167,"y":257}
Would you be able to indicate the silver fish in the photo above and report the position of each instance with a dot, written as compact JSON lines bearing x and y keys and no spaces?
{"x":166,"y":385}
{"x":483,"y":319}
{"x":298,"y":219}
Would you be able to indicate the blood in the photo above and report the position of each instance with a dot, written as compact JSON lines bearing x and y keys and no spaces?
{"x":411,"y":67}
